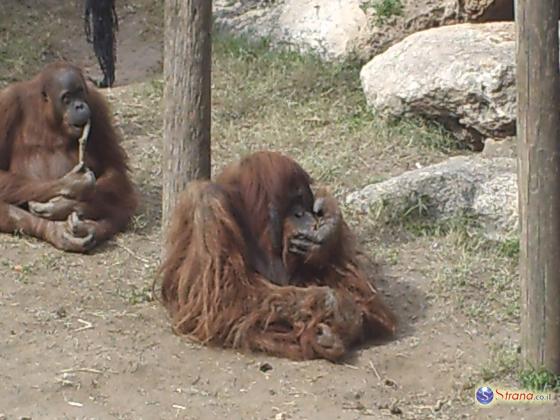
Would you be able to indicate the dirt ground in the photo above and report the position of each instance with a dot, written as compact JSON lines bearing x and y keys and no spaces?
{"x":81,"y":337}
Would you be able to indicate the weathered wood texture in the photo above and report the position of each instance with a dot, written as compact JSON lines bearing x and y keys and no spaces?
{"x":538,"y":130}
{"x":187,"y":72}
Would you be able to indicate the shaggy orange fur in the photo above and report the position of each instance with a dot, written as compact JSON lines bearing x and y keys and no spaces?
{"x":215,"y":295}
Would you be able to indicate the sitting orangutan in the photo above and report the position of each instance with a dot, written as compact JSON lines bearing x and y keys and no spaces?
{"x":255,"y":261}
{"x":46,"y":191}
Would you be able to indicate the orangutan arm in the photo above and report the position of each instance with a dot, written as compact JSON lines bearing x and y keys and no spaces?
{"x":102,"y":214}
{"x":108,"y":210}
{"x":14,"y":219}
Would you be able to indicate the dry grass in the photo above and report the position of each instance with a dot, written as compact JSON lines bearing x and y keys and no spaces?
{"x":26,"y":39}
{"x":310,"y":110}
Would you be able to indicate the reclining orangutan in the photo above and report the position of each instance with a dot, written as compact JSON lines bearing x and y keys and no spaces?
{"x":254,"y":261}
{"x":44,"y":191}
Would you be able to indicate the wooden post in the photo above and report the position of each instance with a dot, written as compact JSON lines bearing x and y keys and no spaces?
{"x":187,"y":72}
{"x":538,"y":132}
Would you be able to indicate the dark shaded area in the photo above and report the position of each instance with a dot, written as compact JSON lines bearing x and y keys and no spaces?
{"x":500,"y":10}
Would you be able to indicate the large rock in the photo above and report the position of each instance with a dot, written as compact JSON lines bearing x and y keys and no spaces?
{"x":328,"y":28}
{"x":462,"y":76}
{"x":506,"y":147}
{"x":485,"y":188}
{"x":339,"y":29}
{"x":419,"y":15}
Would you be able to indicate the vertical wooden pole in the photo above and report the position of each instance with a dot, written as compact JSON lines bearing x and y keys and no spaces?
{"x":187,"y":73}
{"x":538,"y":132}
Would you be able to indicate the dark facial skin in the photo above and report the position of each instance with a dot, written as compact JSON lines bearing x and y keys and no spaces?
{"x":302,"y":198}
{"x":67,"y":93}
{"x":301,"y":219}
{"x":298,"y":202}
{"x":313,"y":235}
{"x":297,"y":205}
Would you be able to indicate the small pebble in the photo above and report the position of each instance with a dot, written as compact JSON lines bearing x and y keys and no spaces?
{"x":265,"y":367}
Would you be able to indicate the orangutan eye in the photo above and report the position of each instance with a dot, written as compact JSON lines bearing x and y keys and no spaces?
{"x":65,"y":98}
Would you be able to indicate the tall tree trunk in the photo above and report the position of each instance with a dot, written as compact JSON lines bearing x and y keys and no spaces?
{"x":187,"y":71}
{"x":538,"y":131}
